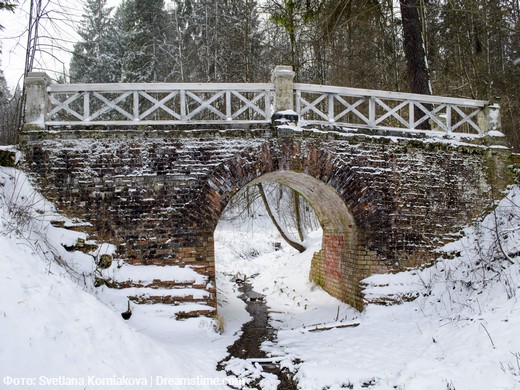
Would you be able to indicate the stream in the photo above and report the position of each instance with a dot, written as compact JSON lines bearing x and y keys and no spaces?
{"x":254,"y":333}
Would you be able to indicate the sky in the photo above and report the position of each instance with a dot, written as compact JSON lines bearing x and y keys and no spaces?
{"x":66,"y":15}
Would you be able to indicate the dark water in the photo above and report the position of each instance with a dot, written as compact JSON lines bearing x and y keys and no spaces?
{"x":255,"y":332}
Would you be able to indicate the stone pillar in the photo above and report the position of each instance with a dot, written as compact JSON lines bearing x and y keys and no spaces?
{"x":489,"y":118}
{"x":37,"y":101}
{"x":282,"y":78}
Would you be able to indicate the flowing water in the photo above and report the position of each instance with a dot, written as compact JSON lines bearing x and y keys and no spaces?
{"x":254,"y":333}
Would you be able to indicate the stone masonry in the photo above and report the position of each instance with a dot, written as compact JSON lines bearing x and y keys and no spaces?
{"x":384,"y":202}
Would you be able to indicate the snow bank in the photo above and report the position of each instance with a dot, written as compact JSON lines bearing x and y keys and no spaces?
{"x":459,"y":333}
{"x":56,"y":332}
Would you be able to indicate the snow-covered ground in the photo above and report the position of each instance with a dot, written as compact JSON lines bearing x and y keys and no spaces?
{"x":460,"y":333}
{"x":57,"y":329}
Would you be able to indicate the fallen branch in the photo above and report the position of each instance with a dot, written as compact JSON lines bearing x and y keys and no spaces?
{"x":334,"y":327}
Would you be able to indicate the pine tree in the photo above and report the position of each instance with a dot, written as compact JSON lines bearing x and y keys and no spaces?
{"x":242,"y":46}
{"x":292,"y":16}
{"x":8,"y":112}
{"x":6,"y":5}
{"x":201,"y":18}
{"x":4,"y":90}
{"x":221,"y":40}
{"x":143,"y":25}
{"x":97,"y":57}
{"x":181,"y":58}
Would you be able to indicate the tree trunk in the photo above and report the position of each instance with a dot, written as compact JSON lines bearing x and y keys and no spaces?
{"x":415,"y":54}
{"x":300,"y":248}
{"x":414,"y":47}
{"x":296,"y":203}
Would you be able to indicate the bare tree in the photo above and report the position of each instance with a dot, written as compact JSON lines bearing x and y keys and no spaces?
{"x":289,"y":212}
{"x":48,"y":31}
{"x":299,"y":247}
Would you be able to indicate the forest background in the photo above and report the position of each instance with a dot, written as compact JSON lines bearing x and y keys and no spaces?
{"x":460,"y":48}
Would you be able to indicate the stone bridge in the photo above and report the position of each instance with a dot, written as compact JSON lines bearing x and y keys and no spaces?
{"x":386,"y":193}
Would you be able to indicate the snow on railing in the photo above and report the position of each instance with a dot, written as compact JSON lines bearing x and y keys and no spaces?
{"x":55,"y":105}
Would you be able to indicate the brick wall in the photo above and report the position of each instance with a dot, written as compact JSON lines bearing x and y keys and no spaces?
{"x":384,"y":203}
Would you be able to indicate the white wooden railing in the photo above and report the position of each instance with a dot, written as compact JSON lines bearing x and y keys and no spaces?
{"x":57,"y":105}
{"x":363,"y":108}
{"x":156,"y":104}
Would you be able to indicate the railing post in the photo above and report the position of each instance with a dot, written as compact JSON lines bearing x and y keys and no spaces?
{"x":488,"y":119}
{"x":36,"y":100}
{"x":283,"y":77}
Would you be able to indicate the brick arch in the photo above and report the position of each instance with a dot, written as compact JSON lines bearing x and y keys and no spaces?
{"x":314,"y":158}
{"x":336,"y":267}
{"x":330,"y":188}
{"x":157,"y":194}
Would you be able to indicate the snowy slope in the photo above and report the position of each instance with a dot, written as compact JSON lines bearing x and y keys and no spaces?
{"x":53,"y":328}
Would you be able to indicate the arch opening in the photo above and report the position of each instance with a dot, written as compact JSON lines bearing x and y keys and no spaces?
{"x":335,"y":264}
